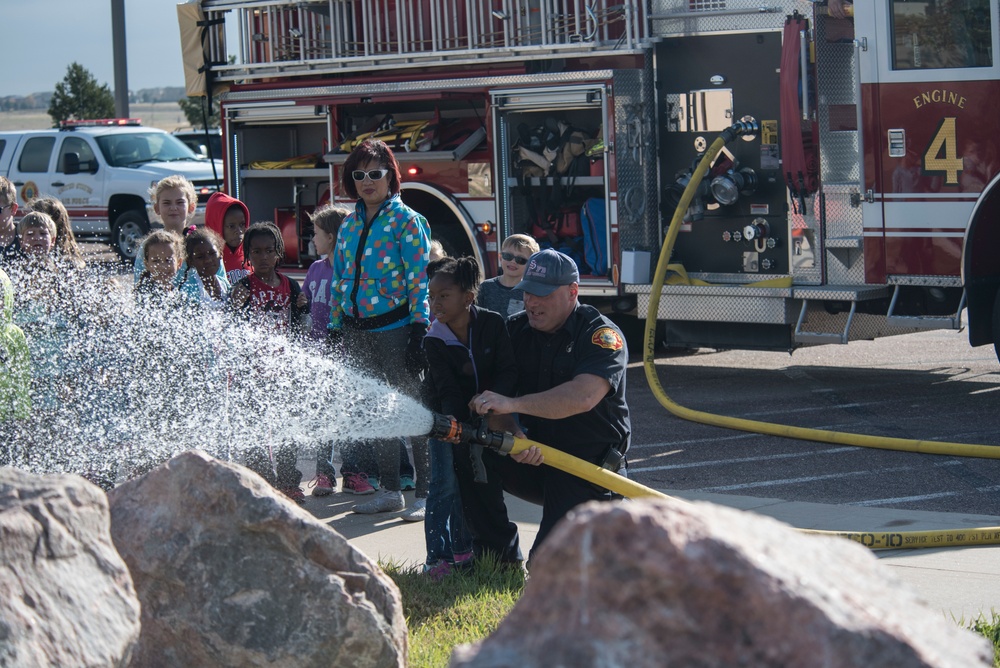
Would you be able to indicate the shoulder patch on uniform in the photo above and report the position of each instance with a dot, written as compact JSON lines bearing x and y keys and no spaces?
{"x":606,"y":337}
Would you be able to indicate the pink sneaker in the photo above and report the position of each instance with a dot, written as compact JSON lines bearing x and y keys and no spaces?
{"x":462,"y":560}
{"x":357,"y":483}
{"x":438,"y":571}
{"x":295,"y":494}
{"x":321,"y":485}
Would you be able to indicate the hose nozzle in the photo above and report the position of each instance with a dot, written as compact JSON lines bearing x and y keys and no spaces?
{"x":447,"y":428}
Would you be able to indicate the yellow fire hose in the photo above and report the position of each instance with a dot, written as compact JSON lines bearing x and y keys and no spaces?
{"x":589,"y":472}
{"x":980,"y":536}
{"x":876,"y":540}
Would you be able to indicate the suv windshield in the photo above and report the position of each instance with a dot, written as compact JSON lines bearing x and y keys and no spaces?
{"x":135,"y":148}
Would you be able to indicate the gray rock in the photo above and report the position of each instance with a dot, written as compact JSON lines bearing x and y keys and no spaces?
{"x":667,"y":583}
{"x":230,"y":573}
{"x":66,"y":597}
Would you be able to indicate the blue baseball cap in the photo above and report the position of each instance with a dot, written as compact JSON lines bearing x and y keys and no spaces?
{"x":548,"y":270}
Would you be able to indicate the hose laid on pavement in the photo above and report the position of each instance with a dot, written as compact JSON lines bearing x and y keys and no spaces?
{"x":880,"y":540}
{"x":875,"y":540}
{"x":982,"y":536}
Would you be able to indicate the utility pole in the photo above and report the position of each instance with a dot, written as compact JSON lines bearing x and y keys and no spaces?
{"x":120,"y":60}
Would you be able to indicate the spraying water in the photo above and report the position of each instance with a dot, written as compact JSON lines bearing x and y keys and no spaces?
{"x":123,"y":382}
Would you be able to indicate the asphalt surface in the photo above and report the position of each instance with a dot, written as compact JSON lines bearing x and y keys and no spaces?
{"x":930,"y":385}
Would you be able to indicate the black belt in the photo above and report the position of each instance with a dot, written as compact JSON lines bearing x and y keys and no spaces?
{"x":377,"y":321}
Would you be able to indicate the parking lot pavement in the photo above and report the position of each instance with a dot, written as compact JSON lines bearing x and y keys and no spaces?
{"x":962,"y":582}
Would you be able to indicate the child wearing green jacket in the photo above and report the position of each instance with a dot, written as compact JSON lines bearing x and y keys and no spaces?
{"x":15,"y":372}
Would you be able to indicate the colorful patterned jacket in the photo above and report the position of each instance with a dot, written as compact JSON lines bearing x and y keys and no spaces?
{"x":392,"y":269}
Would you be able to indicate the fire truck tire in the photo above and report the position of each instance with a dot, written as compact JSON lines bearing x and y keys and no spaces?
{"x":129,"y":227}
{"x":996,"y":324}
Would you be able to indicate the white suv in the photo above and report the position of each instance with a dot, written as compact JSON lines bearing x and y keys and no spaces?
{"x":102,"y":171}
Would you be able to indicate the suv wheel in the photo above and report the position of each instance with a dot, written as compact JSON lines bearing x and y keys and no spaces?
{"x":130,"y":226}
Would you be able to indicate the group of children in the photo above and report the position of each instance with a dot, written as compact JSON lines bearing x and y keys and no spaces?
{"x":231,"y":264}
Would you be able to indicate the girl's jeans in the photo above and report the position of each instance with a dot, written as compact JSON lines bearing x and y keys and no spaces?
{"x":444,"y":524}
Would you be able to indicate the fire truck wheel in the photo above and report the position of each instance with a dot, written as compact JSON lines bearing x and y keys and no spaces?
{"x":996,"y":324}
{"x":130,"y":226}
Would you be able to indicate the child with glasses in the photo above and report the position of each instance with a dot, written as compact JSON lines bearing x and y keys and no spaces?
{"x":499,"y":294}
{"x":378,"y":312}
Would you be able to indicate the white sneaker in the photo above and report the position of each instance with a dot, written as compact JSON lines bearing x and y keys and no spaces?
{"x":416,"y":512}
{"x":384,"y":501}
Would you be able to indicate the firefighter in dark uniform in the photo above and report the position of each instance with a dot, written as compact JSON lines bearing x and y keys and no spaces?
{"x":571,"y":364}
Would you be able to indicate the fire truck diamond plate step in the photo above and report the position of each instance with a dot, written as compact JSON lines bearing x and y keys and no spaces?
{"x":843,"y":293}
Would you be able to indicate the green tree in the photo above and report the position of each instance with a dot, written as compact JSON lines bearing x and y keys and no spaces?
{"x":193,"y":108}
{"x":78,"y":97}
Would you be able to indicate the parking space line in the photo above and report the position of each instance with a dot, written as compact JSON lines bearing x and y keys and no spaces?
{"x":743,"y":460}
{"x":828,"y":476}
{"x":923,"y":497}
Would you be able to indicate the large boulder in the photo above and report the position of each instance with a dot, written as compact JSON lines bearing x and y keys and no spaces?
{"x":231,"y":573}
{"x":668,"y":583}
{"x":66,"y":597}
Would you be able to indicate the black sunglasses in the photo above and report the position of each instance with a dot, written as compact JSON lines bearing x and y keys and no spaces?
{"x":507,"y":257}
{"x":374,"y":174}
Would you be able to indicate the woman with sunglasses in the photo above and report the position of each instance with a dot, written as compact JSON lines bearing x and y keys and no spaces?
{"x":499,"y":294}
{"x":378,"y":309}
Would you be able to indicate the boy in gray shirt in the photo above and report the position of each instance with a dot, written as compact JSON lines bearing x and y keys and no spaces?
{"x":499,"y":294}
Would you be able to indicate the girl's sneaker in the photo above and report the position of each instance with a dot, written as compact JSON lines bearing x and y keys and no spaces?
{"x":295,"y":494}
{"x":437,"y":571}
{"x":416,"y":512}
{"x":357,"y":483}
{"x":321,"y":485}
{"x":462,"y":560}
{"x":386,"y":501}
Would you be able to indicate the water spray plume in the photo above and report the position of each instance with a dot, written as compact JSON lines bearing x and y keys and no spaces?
{"x":123,"y":382}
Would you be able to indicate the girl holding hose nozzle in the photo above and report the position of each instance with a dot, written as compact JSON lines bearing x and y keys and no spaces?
{"x":468,"y":352}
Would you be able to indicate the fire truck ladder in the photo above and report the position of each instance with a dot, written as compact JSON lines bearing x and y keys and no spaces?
{"x":315,"y":37}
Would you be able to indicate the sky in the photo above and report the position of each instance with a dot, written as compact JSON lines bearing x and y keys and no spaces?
{"x":42,"y":37}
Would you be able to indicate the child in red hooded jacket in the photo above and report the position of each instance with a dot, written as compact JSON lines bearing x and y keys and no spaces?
{"x":229,"y":218}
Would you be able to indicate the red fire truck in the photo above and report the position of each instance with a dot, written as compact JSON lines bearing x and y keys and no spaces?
{"x":867,"y":205}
